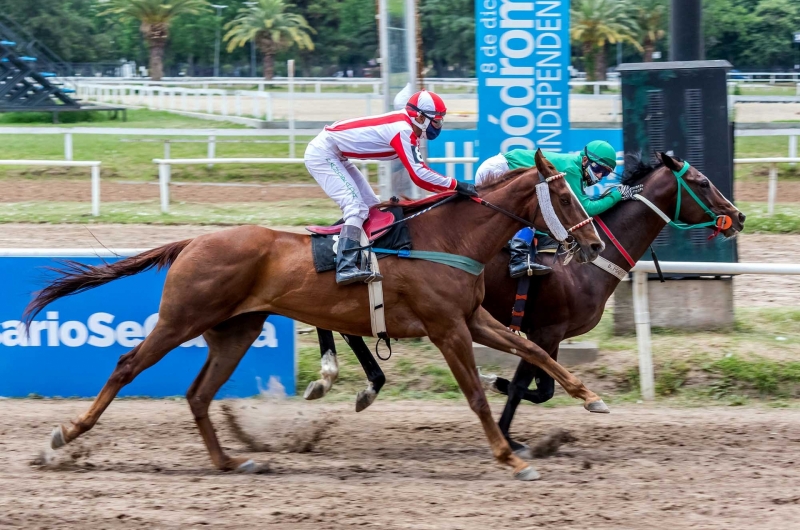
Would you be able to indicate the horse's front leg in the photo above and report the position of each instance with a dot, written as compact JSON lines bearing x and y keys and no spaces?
{"x":489,"y":332}
{"x":329,"y":370}
{"x":375,"y":375}
{"x":455,"y":343}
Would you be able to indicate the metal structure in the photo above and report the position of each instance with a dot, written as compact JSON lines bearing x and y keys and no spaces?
{"x":682,"y":107}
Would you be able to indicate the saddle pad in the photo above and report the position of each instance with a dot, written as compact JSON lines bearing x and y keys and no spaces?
{"x":547,"y":244}
{"x":322,"y":250}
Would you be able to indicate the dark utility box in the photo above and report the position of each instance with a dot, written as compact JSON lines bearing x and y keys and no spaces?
{"x":682,"y":107}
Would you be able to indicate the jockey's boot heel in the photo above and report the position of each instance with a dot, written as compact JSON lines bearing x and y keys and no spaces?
{"x":523,"y":260}
{"x":347,"y":270}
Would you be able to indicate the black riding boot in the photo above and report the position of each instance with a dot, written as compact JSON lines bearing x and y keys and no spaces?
{"x":523,"y":260}
{"x":347,"y":270}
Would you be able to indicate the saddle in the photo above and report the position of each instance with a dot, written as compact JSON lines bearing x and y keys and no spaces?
{"x":397,"y":237}
{"x":374,"y":227}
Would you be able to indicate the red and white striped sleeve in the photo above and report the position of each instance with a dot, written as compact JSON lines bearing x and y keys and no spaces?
{"x":406,"y":146}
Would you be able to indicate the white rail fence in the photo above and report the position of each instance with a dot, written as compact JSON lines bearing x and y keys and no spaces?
{"x":93,"y":164}
{"x":641,"y":311}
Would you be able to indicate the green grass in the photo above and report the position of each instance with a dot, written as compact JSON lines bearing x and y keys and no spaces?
{"x":145,"y":119}
{"x":785,"y":219}
{"x":296,"y":212}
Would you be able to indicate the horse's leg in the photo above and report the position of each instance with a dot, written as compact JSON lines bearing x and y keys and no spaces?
{"x":227,"y":344}
{"x":375,"y":375}
{"x":455,"y":343}
{"x":330,"y":366}
{"x":163,"y":339}
{"x":489,"y":332}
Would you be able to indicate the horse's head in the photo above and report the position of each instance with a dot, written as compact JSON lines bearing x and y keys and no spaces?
{"x":572,"y":224}
{"x":698,"y":201}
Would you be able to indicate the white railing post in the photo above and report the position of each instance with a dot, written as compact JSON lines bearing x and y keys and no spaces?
{"x":254,"y":106}
{"x":596,"y":89}
{"x":209,"y":102}
{"x":369,"y":104}
{"x":641,"y":315}
{"x":166,"y":149}
{"x":793,"y":148}
{"x":468,"y":175}
{"x":773,"y":188}
{"x":290,"y":70}
{"x":96,"y":190}
{"x":268,"y":110}
{"x":184,"y":102}
{"x":318,"y":87}
{"x":224,"y":102}
{"x":172,"y":98}
{"x":68,"y":146}
{"x":238,"y":103}
{"x":212,"y":148}
{"x":163,"y":182}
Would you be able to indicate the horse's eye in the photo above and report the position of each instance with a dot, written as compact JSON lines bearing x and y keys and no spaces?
{"x":565,"y":201}
{"x":705,"y":184}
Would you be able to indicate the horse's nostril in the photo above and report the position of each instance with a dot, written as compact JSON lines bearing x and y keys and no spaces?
{"x":597,"y":248}
{"x":742,"y":217}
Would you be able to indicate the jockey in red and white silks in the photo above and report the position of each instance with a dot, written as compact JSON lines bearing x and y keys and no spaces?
{"x":390,"y":136}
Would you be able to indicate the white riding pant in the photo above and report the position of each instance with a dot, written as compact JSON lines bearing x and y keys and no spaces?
{"x":340,"y":179}
{"x":492,"y":167}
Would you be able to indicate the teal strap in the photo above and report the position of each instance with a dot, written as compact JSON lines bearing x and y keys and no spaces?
{"x":682,"y":184}
{"x":452,"y":260}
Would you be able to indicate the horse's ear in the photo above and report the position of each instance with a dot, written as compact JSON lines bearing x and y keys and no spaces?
{"x":670,"y":162}
{"x":541,"y":161}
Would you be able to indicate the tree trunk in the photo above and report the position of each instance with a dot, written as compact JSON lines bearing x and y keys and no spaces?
{"x":269,"y":65}
{"x":600,"y":64}
{"x":156,"y":36}
{"x":649,"y":46}
{"x":157,"y":59}
{"x":589,"y":60}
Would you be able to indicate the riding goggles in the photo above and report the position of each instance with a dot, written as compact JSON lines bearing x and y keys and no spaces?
{"x":595,"y":163}
{"x":436,"y":120}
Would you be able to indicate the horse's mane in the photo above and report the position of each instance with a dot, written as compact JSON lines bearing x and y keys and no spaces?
{"x":636,"y":169}
{"x":410,"y":206}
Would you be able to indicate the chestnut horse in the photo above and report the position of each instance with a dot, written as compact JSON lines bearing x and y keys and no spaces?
{"x":223,"y":285}
{"x":570,"y":301}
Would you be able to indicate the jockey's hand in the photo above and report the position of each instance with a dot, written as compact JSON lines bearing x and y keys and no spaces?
{"x":629,"y":191}
{"x":464,"y":188}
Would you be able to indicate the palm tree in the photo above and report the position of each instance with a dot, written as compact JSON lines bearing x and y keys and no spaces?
{"x":651,"y":17}
{"x":595,"y":24}
{"x":155,"y":18}
{"x":272,"y":27}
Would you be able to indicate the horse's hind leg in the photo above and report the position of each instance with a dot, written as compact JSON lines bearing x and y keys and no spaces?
{"x":375,"y":375}
{"x":227,"y":344}
{"x":329,"y":371}
{"x":163,"y":339}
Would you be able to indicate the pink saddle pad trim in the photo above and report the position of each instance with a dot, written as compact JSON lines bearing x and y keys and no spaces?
{"x":373,"y":227}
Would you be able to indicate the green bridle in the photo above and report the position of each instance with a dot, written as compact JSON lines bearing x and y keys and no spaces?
{"x":682,"y":184}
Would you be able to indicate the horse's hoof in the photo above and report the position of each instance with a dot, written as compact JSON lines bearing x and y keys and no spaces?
{"x":528,"y":474}
{"x":365,"y":398}
{"x":57,"y":438}
{"x":524,"y":451}
{"x":597,"y":406}
{"x":315,"y":390}
{"x":251,"y":467}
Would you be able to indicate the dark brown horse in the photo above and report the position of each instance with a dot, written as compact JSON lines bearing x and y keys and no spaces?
{"x":223,"y":285}
{"x":570,"y":301}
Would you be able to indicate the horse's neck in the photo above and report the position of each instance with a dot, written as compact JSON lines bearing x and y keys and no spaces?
{"x":468,"y":229}
{"x":635,"y":225}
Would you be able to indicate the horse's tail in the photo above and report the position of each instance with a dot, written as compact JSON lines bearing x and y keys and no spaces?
{"x":77,"y":277}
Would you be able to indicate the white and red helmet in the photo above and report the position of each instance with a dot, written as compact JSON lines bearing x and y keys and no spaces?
{"x":428,"y":104}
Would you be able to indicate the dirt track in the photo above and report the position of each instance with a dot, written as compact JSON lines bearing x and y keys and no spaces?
{"x":408,"y":465}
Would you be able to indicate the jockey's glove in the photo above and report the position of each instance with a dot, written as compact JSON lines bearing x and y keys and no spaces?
{"x":628,"y":192}
{"x":465,"y":188}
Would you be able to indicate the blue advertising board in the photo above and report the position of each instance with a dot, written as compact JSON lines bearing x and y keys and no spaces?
{"x":73,"y":345}
{"x":522,"y":56}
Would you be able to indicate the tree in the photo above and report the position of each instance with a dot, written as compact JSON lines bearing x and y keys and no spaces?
{"x":769,"y":37}
{"x":595,"y":24}
{"x":155,"y":18}
{"x":273,"y":29}
{"x":448,"y":33}
{"x":651,"y":17}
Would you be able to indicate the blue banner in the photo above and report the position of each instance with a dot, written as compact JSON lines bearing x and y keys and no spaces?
{"x":522,"y":56}
{"x":73,"y":345}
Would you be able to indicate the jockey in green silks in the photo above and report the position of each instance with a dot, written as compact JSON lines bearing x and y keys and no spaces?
{"x":589,"y":173}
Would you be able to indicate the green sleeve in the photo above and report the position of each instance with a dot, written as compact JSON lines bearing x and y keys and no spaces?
{"x":592,"y":207}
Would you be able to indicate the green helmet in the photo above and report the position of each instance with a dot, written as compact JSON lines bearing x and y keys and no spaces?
{"x":601,"y":152}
